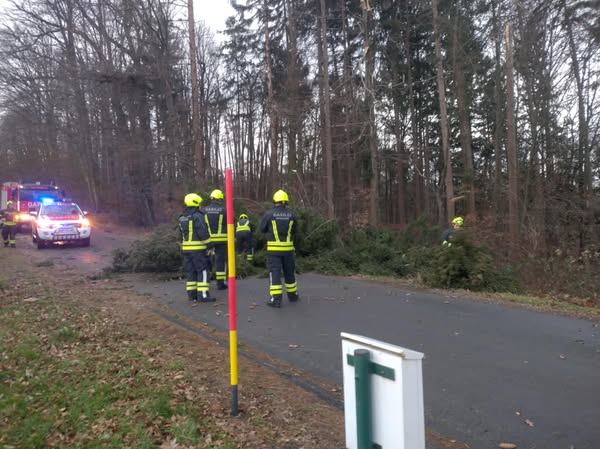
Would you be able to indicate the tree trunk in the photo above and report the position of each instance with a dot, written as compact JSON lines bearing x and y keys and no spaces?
{"x":271,"y":102}
{"x":465,"y":122}
{"x":418,"y":158}
{"x":498,"y":135}
{"x":584,"y":148}
{"x":443,"y":116}
{"x":369,"y":61}
{"x":196,"y":119}
{"x":511,"y":144}
{"x":293,"y":80}
{"x":326,"y":109}
{"x":349,"y":111}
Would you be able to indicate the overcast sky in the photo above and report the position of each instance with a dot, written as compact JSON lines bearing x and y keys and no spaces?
{"x":212,"y":12}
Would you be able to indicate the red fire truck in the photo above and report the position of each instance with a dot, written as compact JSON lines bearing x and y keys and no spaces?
{"x":28,"y":197}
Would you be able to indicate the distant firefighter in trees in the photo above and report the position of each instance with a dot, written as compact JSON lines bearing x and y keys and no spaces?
{"x":457,"y":223}
{"x":244,"y":237}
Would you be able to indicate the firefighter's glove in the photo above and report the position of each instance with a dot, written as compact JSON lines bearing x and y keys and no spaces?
{"x":211,"y":251}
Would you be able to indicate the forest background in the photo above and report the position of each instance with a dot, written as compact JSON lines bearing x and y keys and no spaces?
{"x":382,"y":119}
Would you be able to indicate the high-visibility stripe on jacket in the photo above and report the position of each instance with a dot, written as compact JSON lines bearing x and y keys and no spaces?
{"x":243,"y":225}
{"x":279,"y":225}
{"x":216,"y":221}
{"x":278,"y":244}
{"x":10,"y":217}
{"x":194,"y":233}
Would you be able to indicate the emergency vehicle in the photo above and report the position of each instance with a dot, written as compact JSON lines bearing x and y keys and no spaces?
{"x":60,"y":222}
{"x":27,"y":198}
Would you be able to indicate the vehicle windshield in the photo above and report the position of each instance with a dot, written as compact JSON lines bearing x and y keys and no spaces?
{"x":38,"y":195}
{"x":61,"y":210}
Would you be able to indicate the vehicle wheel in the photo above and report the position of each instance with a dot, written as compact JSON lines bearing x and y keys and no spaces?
{"x":85,"y":242}
{"x":41,"y":244}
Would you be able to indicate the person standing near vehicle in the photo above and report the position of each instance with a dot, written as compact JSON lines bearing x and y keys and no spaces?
{"x":457,"y":223}
{"x":243,"y":237}
{"x":194,"y":242}
{"x":215,"y":215}
{"x":280,"y":225}
{"x":9,"y":225}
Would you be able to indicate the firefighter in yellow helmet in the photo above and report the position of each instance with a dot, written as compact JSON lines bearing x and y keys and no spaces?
{"x":280,"y":225}
{"x":216,"y":218}
{"x":9,"y":225}
{"x":194,"y":243}
{"x":457,"y":223}
{"x":244,"y":241}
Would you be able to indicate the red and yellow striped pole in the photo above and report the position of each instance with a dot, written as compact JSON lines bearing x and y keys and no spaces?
{"x":233,"y":358}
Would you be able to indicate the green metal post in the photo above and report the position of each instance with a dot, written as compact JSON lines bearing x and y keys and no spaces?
{"x":362,"y":386}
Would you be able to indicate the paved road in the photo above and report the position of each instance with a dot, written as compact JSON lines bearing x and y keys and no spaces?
{"x":492,"y":373}
{"x":489,"y":369}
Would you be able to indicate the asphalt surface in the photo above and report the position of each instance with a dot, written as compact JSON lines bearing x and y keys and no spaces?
{"x":492,"y":373}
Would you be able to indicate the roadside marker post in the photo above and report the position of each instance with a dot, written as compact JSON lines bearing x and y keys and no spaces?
{"x":233,"y":356}
{"x":383,"y":395}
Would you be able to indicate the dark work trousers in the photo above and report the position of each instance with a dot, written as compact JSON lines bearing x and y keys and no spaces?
{"x":282,"y":261}
{"x":220,"y":262}
{"x":9,"y":235}
{"x":196,"y":269}
{"x":244,"y":242}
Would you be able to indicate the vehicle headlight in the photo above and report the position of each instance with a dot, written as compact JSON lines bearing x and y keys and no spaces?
{"x":45,"y":223}
{"x":85,"y":222}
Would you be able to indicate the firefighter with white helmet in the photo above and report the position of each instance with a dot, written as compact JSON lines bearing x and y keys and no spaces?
{"x":194,"y":242}
{"x":215,"y":215}
{"x":280,"y":225}
{"x":9,"y":225}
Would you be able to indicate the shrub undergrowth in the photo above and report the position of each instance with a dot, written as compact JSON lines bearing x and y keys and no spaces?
{"x":322,"y":246}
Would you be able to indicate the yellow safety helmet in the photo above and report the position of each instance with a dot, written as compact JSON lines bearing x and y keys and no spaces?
{"x":243,"y":216}
{"x":9,"y":203}
{"x":458,"y":221}
{"x":280,"y":197}
{"x":192,"y":200}
{"x":216,"y":195}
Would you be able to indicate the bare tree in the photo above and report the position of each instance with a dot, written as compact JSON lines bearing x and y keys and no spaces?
{"x":369,"y":63}
{"x":326,"y":110}
{"x":196,"y":119}
{"x":511,"y":135}
{"x":447,"y":157}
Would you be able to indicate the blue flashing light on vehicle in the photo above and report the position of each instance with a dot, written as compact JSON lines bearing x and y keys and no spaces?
{"x":47,"y":200}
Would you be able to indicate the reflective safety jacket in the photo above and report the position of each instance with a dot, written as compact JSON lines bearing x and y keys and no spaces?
{"x":243,"y":225}
{"x":9,"y":217}
{"x":194,"y":233}
{"x":279,"y":224}
{"x":215,"y":216}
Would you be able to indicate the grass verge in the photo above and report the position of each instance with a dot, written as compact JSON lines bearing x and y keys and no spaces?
{"x":91,"y":366}
{"x":70,"y":378}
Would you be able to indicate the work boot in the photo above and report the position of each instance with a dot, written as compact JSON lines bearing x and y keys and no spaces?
{"x":208,"y":298}
{"x":274,"y":301}
{"x":293,"y":297}
{"x":192,"y":299}
{"x":221,"y":286}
